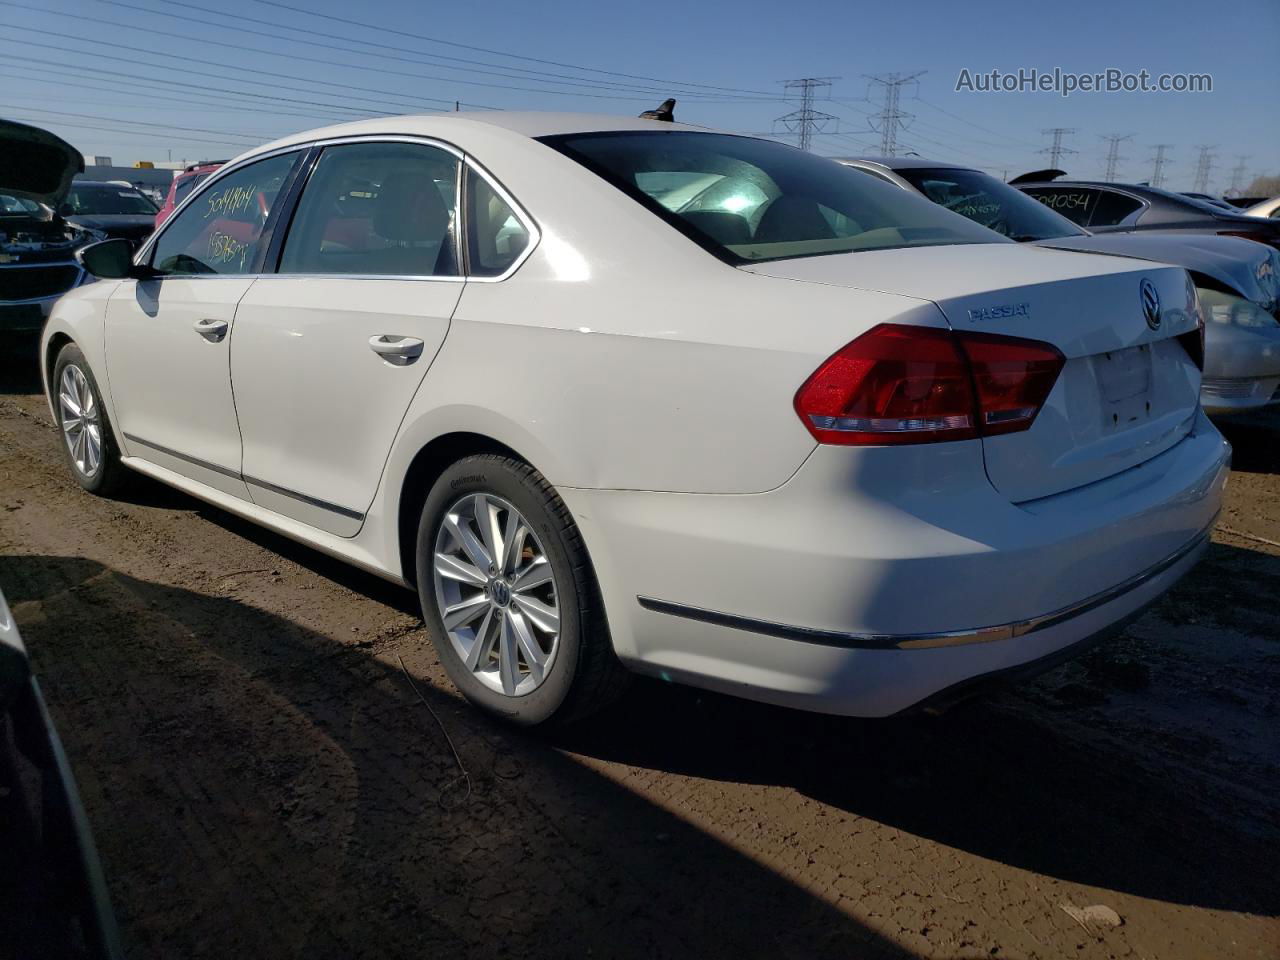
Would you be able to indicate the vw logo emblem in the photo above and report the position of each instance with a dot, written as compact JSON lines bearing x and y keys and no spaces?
{"x":501,"y":593}
{"x":1150,"y":304}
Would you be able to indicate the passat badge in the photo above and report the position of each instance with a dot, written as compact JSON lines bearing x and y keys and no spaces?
{"x":1150,"y":303}
{"x":1001,"y":312}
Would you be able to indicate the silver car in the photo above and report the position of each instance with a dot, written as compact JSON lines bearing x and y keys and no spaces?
{"x":1237,"y":280}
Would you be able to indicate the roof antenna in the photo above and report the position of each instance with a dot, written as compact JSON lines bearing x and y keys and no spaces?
{"x":665,"y":112}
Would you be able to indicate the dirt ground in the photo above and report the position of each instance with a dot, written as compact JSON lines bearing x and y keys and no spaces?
{"x":264,"y":781}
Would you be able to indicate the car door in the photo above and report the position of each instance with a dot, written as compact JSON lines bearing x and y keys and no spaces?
{"x":168,"y":337}
{"x":328,"y":352}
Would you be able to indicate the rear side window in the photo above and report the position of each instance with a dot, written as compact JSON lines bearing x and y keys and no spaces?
{"x":1074,"y":203}
{"x":376,"y":209}
{"x":496,"y":235}
{"x":748,"y":200}
{"x":1112,"y":208}
{"x":220,"y":231}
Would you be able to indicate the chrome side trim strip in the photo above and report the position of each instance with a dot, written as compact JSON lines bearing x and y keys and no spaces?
{"x":303,"y":498}
{"x":925,"y":641}
{"x":236,"y":475}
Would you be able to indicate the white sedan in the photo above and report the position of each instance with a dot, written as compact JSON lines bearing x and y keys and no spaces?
{"x":624,"y":395}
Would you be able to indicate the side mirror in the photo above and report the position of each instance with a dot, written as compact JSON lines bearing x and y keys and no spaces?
{"x":111,"y":260}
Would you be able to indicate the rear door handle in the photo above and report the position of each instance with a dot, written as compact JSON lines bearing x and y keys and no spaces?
{"x":212,"y":330}
{"x":401,"y":351}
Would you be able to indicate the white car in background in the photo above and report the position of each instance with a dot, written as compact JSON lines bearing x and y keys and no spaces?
{"x":1267,"y":208}
{"x":794,"y":434}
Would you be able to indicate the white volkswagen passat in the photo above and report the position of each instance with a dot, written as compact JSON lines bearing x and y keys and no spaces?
{"x":629,"y":394}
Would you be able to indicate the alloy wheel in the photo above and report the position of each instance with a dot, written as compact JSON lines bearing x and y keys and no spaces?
{"x":81,"y":420}
{"x":496,"y":594}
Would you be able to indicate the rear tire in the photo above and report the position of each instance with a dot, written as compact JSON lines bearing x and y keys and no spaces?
{"x":88,"y":443}
{"x":527,"y":637}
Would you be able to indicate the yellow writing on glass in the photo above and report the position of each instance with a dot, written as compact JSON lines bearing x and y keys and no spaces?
{"x":224,"y":248}
{"x":230,"y":201}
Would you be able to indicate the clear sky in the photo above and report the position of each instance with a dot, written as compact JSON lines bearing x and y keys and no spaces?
{"x":150,"y":79}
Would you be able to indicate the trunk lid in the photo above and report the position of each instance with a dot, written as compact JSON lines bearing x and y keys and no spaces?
{"x":1129,"y":389}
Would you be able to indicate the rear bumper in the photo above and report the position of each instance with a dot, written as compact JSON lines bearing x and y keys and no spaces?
{"x":1223,"y":395}
{"x":1241,"y":368}
{"x":875,"y":579}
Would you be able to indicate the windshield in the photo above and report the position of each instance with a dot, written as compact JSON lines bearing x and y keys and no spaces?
{"x":748,"y":200}
{"x":987,"y":201}
{"x":19,"y":205}
{"x":106,"y":200}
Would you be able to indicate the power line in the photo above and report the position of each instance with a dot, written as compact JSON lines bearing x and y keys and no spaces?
{"x":499,"y":53}
{"x":976,"y":126}
{"x":1113,"y":153}
{"x":80,"y":67}
{"x":77,"y":125}
{"x":239,"y":46}
{"x":186,"y":99}
{"x":290,"y":76}
{"x":891,"y":118}
{"x":1160,"y":160}
{"x":144,"y":123}
{"x":1204,"y":163}
{"x":806,"y":121}
{"x":434,"y":59}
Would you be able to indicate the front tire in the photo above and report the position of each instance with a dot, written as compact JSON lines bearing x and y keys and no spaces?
{"x":509,"y":597}
{"x":87,"y":440}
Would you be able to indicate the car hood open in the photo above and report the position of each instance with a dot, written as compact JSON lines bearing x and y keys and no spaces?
{"x":35,"y":164}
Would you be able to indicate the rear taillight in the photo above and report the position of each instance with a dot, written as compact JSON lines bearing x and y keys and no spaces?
{"x":898,"y":384}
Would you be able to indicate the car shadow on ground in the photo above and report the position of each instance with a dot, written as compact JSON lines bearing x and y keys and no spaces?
{"x":1255,"y":441}
{"x":257,"y":789}
{"x":19,"y":369}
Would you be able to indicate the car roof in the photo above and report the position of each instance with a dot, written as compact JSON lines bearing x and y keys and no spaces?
{"x":907,"y":163}
{"x":443,"y":125}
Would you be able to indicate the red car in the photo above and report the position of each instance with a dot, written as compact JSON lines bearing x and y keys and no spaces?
{"x":183,"y":184}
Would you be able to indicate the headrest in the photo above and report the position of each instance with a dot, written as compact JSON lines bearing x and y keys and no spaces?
{"x":410,"y":208}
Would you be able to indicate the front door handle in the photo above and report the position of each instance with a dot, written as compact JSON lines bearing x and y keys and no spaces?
{"x":401,"y":351}
{"x":212,"y":330}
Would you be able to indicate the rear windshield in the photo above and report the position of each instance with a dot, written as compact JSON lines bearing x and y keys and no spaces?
{"x":748,"y":200}
{"x":987,"y":201}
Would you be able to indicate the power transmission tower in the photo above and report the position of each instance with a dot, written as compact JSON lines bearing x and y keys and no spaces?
{"x":1056,"y":150}
{"x":1160,"y":159}
{"x":1203,"y":164}
{"x":807,"y":121}
{"x":891,"y":118}
{"x":1237,"y":176}
{"x":1113,"y":153}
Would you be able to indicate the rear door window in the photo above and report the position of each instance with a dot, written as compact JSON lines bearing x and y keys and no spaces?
{"x":1074,"y":203}
{"x":378,"y":210}
{"x":221,"y":230}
